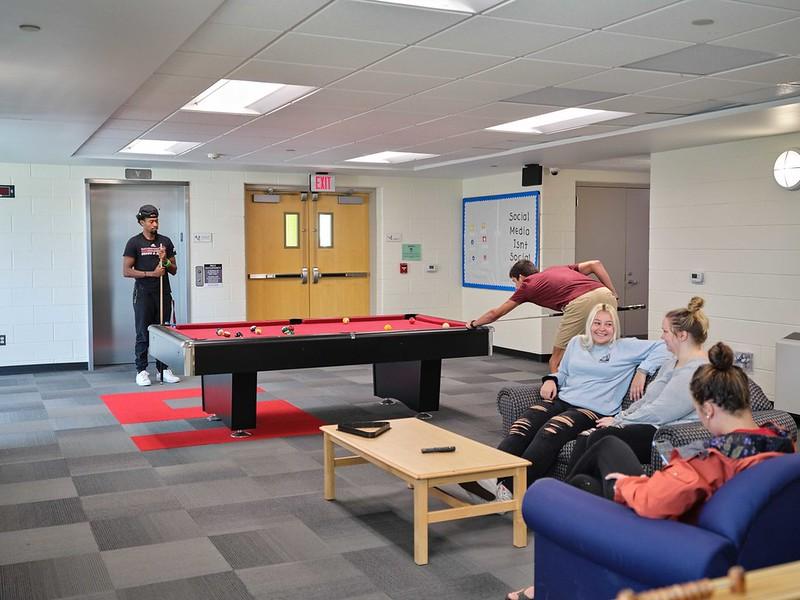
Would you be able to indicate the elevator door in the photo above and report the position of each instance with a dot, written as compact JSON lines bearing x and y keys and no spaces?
{"x":112,"y":222}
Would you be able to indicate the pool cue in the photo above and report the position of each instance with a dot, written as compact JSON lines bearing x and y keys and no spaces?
{"x":160,"y":316}
{"x":558,"y":314}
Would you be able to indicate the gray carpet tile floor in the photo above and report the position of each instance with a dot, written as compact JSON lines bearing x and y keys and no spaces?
{"x":85,"y":515}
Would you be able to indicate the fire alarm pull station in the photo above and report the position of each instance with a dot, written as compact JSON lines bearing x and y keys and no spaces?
{"x":403,"y":268}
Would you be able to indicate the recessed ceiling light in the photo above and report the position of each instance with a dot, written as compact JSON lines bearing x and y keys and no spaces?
{"x":391,"y":158}
{"x":703,"y":22}
{"x":457,"y":5}
{"x":30,"y":28}
{"x":160,"y":147}
{"x":560,"y":120}
{"x":238,"y":97}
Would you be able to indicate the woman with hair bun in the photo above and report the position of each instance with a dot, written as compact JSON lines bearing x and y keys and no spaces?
{"x":667,"y":400}
{"x":722,"y":401}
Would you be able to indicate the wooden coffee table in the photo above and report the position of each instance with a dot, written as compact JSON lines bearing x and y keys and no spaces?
{"x":398,"y":452}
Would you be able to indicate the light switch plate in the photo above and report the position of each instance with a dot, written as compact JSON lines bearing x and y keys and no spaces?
{"x":198,"y":276}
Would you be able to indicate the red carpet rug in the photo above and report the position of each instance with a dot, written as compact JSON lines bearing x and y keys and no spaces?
{"x":274,"y":418}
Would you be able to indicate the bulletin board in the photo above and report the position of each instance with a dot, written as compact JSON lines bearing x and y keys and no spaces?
{"x":498,"y":231}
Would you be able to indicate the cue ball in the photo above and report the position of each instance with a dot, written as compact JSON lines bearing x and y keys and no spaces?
{"x":253,"y":328}
{"x":220,"y":331}
{"x":387,"y":327}
{"x":238,"y":334}
{"x":445,"y":325}
{"x":226,"y":334}
{"x":345,"y":320}
{"x":257,"y":331}
{"x":412,"y":320}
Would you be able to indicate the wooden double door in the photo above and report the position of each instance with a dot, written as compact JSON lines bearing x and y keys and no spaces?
{"x":307,"y":255}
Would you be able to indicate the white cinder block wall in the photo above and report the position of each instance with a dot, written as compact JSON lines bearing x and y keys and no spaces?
{"x":557,"y":234}
{"x":43,"y":289}
{"x":717,"y":209}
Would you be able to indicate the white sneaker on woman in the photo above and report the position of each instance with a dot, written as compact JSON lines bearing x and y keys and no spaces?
{"x":168,"y":377}
{"x":143,"y":378}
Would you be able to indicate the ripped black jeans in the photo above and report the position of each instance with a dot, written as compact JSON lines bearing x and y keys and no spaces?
{"x":541,"y":431}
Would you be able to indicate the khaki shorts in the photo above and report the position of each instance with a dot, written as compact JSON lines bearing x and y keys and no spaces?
{"x":576,"y":312}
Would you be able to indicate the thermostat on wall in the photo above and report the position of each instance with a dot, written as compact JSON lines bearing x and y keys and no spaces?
{"x":431,"y":268}
{"x":697,"y":277}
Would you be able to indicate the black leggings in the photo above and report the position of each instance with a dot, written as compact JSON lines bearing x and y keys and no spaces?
{"x":146,"y":310}
{"x":638,"y":437}
{"x":609,"y":455}
{"x":541,"y":431}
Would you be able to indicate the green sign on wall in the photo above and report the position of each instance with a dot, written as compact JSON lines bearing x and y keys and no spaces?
{"x":412,"y":251}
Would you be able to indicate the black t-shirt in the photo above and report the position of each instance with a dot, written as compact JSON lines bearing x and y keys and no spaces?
{"x":145,"y":258}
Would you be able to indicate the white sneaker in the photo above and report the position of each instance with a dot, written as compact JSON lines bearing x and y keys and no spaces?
{"x":503,"y":493}
{"x":143,"y":378}
{"x":490,"y":485}
{"x":169,"y":376}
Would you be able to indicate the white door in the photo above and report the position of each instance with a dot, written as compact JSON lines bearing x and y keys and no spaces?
{"x":613,"y":225}
{"x":112,"y":222}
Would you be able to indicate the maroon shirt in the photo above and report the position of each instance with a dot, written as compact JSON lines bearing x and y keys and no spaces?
{"x":555,"y":287}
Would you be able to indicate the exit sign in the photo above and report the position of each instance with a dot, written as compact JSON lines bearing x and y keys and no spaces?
{"x":322,"y":182}
{"x":6,"y":191}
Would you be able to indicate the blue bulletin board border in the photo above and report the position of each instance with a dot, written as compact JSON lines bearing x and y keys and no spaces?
{"x":509,"y":288}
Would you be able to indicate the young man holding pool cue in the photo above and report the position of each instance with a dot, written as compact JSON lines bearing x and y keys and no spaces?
{"x":147,"y":256}
{"x":566,"y":288}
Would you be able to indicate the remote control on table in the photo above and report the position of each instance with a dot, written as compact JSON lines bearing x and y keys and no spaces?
{"x":438,"y":449}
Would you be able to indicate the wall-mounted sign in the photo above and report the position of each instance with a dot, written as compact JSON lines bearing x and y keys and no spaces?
{"x":212,"y":275}
{"x":138,"y":173}
{"x":7,"y":191}
{"x":321,"y":182}
{"x":412,"y":251}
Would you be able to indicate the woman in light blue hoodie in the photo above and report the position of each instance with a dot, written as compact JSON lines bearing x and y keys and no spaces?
{"x":596,"y":371}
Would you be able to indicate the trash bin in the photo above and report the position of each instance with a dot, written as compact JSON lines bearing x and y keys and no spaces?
{"x":787,"y":373}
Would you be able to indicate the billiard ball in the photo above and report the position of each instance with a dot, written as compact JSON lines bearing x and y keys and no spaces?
{"x":412,"y":320}
{"x":220,"y":331}
{"x":257,"y":331}
{"x":387,"y":327}
{"x":226,"y":334}
{"x":445,"y":325}
{"x":346,"y":320}
{"x":287,"y":330}
{"x":253,"y":328}
{"x":238,"y":334}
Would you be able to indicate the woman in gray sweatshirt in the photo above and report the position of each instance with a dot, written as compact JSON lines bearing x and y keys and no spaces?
{"x":667,"y":399}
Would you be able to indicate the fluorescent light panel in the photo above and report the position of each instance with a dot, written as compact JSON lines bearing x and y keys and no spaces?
{"x":239,"y":97}
{"x":161,"y":147}
{"x":391,"y":158}
{"x":560,"y":120}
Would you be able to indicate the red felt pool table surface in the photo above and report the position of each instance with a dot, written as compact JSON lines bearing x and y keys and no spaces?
{"x":375,"y":323}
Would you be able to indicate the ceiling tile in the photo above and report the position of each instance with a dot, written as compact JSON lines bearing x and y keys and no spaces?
{"x":375,"y":81}
{"x":279,"y":72}
{"x":128,"y":124}
{"x":500,"y":36}
{"x":780,"y":71}
{"x":265,"y":14}
{"x":481,"y":92}
{"x":608,"y":49}
{"x":790,"y":4}
{"x":194,"y":64}
{"x":642,"y":119}
{"x":702,"y":59}
{"x":782,"y":38}
{"x":706,"y":88}
{"x":426,"y":104}
{"x":504,"y":112}
{"x":187,"y":132}
{"x":704,"y":106}
{"x":205,"y":118}
{"x":228,"y":40}
{"x":300,"y":118}
{"x":457,"y":124}
{"x":625,"y":81}
{"x":378,"y":22}
{"x":576,"y":13}
{"x":360,"y":100}
{"x":436,"y":62}
{"x":675,"y":22}
{"x":776,"y":92}
{"x":554,"y":96}
{"x":539,"y":73}
{"x":637,"y":104}
{"x":372,"y":123}
{"x":234,"y":144}
{"x":328,"y":51}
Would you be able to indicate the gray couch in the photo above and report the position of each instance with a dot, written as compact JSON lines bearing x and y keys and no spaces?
{"x":512,"y":401}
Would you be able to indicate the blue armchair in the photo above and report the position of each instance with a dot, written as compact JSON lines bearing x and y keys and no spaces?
{"x":588,"y":547}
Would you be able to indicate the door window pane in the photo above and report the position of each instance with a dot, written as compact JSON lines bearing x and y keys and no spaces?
{"x":291,"y":228}
{"x":325,"y":230}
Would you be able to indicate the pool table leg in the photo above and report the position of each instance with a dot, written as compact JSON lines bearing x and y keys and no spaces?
{"x":415,"y":383}
{"x":232,"y":397}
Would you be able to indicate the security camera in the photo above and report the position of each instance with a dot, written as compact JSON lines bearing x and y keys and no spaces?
{"x":554,"y":171}
{"x":214,"y":155}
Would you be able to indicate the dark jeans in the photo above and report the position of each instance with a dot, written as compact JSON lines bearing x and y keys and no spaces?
{"x":145,"y":311}
{"x":638,"y":437}
{"x":541,"y":431}
{"x":609,"y":455}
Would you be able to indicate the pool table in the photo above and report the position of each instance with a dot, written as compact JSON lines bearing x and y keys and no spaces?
{"x":406,"y":352}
